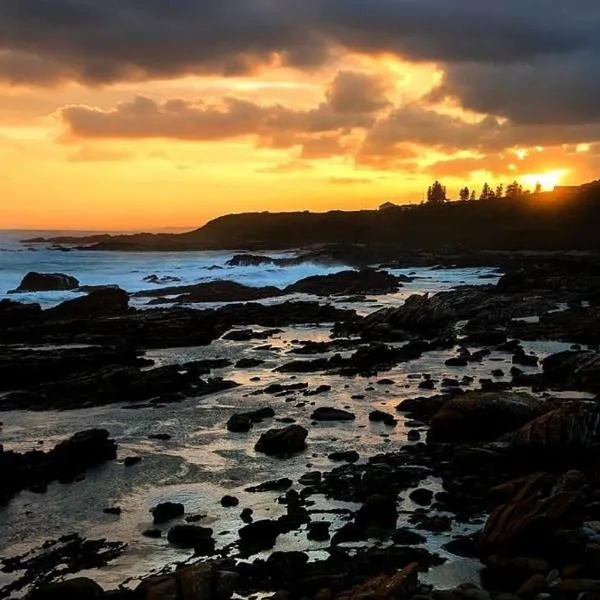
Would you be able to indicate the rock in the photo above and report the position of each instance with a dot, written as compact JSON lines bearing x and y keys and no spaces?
{"x":350,"y":456}
{"x":239,"y":423}
{"x":229,"y":501}
{"x":46,"y":282}
{"x":246,"y":515}
{"x":457,"y":362}
{"x":282,"y":442}
{"x":102,"y":302}
{"x":399,"y":586}
{"x":245,"y":335}
{"x":276,"y":485}
{"x":482,"y":416}
{"x":572,"y":428}
{"x":79,"y":588}
{"x":378,"y":416}
{"x":378,"y":512}
{"x":366,"y":281}
{"x":132,"y":460}
{"x":112,"y":510}
{"x":536,"y":584}
{"x":525,"y":360}
{"x":318,"y":531}
{"x":326,"y":413}
{"x":413,"y":435}
{"x":152,"y":533}
{"x":573,"y":370}
{"x":193,"y":537}
{"x":421,"y":496}
{"x":407,"y":537}
{"x":163,"y":437}
{"x":258,"y":536}
{"x":322,"y":389}
{"x":166,"y":511}
{"x":248,"y":363}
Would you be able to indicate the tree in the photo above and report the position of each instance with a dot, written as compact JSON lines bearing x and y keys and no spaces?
{"x":485,"y":192}
{"x":473,"y":196}
{"x":436,"y":194}
{"x":514,"y":189}
{"x":500,"y":191}
{"x":538,"y":188}
{"x":464,"y":194}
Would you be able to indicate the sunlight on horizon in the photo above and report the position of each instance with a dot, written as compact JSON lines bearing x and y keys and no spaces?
{"x":548,"y":180}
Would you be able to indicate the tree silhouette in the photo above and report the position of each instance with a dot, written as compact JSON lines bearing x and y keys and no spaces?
{"x":473,"y":196}
{"x":499,"y":191}
{"x":485,"y":192}
{"x":538,"y":188}
{"x":514,"y":189}
{"x":436,"y":193}
{"x":464,"y":194}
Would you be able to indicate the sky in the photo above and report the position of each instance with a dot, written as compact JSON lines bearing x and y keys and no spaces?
{"x":144,"y":114}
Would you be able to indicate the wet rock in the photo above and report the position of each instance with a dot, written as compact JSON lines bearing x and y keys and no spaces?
{"x":239,"y":423}
{"x":248,"y":363}
{"x":279,"y":388}
{"x":112,"y":510}
{"x":318,"y":531}
{"x":163,"y":437}
{"x":399,"y":586}
{"x":366,"y":281}
{"x":573,"y":370}
{"x":378,"y":416}
{"x":132,"y":460}
{"x":229,"y":501}
{"x":322,"y":389}
{"x":492,"y":337}
{"x":326,"y":413}
{"x":79,"y":588}
{"x":275,"y":485}
{"x":245,"y":335}
{"x":193,"y":537}
{"x":524,"y":360}
{"x":166,"y":511}
{"x":413,"y":435}
{"x":152,"y":533}
{"x":258,"y":536}
{"x":378,"y":512}
{"x":407,"y":537}
{"x":46,"y":282}
{"x":102,"y":302}
{"x":246,"y":515}
{"x":282,"y":442}
{"x":435,"y":524}
{"x":457,"y":362}
{"x":482,"y":416}
{"x":350,"y":456}
{"x":422,"y":496}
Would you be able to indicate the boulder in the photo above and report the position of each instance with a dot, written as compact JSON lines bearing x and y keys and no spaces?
{"x":366,"y":281}
{"x":47,"y":282}
{"x":350,"y":456}
{"x":166,"y":511}
{"x":239,"y":423}
{"x":378,"y":512}
{"x":573,"y":428}
{"x":482,"y":416}
{"x":326,"y":413}
{"x":79,"y":588}
{"x":106,"y":301}
{"x":258,"y":536}
{"x":193,"y":537}
{"x":378,"y":416}
{"x":573,"y":370}
{"x":282,"y":442}
{"x":399,"y":586}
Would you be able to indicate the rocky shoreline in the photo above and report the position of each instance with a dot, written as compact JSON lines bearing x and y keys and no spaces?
{"x":515,"y":460}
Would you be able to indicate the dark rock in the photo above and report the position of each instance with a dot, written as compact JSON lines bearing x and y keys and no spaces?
{"x":322,"y":389}
{"x":152,"y":533}
{"x":482,"y":416}
{"x":318,"y":531}
{"x":47,"y":282}
{"x":248,"y":363}
{"x":163,"y":437}
{"x":276,"y":485}
{"x":229,"y":501}
{"x":166,"y":511}
{"x":378,"y":416}
{"x":80,"y":588}
{"x":421,"y":496}
{"x":132,"y":460}
{"x":413,"y":435}
{"x":378,"y":512}
{"x":457,"y":362}
{"x":326,"y":413}
{"x":367,"y":281}
{"x":106,"y":301}
{"x":113,"y":510}
{"x":239,"y":423}
{"x":258,"y":536}
{"x":350,"y":456}
{"x":407,"y":537}
{"x":282,"y":442}
{"x":246,"y":515}
{"x":245,"y":335}
{"x":194,"y":537}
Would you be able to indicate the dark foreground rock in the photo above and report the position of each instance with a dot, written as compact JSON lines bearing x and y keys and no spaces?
{"x":34,"y":470}
{"x":46,"y":282}
{"x":282,"y":442}
{"x":106,"y":301}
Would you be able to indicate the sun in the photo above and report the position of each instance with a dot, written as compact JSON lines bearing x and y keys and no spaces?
{"x":548,"y":180}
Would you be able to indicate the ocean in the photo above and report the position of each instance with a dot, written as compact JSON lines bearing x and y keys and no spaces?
{"x":203,"y":461}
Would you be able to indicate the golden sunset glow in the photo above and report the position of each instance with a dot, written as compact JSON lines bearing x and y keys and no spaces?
{"x":348,"y":126}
